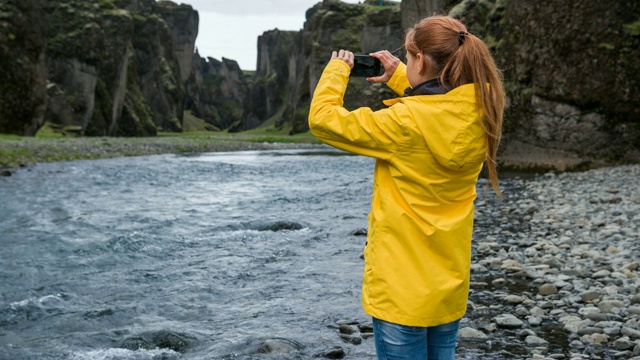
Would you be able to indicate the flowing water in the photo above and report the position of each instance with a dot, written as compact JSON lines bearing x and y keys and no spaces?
{"x":244,"y":255}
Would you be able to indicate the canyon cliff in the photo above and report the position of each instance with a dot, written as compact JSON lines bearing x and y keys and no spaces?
{"x":96,"y":68}
{"x":128,"y":68}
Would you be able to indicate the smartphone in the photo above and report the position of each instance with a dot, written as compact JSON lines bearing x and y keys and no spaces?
{"x":366,"y":66}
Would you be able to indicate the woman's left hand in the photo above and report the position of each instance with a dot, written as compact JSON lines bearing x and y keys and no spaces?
{"x":346,"y":56}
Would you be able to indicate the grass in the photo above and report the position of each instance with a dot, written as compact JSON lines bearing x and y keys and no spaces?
{"x":53,"y":144}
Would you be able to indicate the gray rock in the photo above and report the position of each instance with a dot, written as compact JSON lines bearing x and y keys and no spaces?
{"x":590,"y":330}
{"x":351,"y":339}
{"x":535,"y":341}
{"x":590,"y":295}
{"x":514,"y":299}
{"x":610,"y":306}
{"x":348,"y":329}
{"x":534,"y":320}
{"x":547,"y":289}
{"x":471,"y":334}
{"x":508,"y":321}
{"x":630,"y":332}
{"x":624,"y":343}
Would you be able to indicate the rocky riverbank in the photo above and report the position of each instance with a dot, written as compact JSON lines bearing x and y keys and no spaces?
{"x":556,"y":269}
{"x":555,"y":272}
{"x":15,"y":153}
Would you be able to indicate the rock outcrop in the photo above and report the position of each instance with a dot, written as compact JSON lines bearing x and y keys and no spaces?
{"x":573,"y":80}
{"x":22,"y":73}
{"x":333,"y":25}
{"x":216,"y":91}
{"x":111,"y":67}
{"x":267,"y":89}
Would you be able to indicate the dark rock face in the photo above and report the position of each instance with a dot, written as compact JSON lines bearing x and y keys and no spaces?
{"x":183,"y":22}
{"x":267,"y":89}
{"x":111,"y":67}
{"x":333,"y":25}
{"x":216,"y":91}
{"x":574,"y":80}
{"x":22,"y":74}
{"x":158,"y":72}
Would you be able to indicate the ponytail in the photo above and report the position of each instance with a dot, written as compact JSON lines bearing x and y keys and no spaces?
{"x":461,"y":58}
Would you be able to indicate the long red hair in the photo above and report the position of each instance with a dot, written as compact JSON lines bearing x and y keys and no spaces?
{"x":460,"y":58}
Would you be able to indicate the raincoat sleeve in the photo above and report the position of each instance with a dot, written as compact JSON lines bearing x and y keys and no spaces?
{"x":399,"y":82}
{"x":365,"y":132}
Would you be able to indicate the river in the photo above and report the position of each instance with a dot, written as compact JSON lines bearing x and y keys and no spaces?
{"x":242,"y":255}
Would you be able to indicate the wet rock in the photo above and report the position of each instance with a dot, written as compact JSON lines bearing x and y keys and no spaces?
{"x":348,"y":329}
{"x":335,"y":353}
{"x":159,"y":339}
{"x":351,"y":339}
{"x":280,"y":226}
{"x":359,"y":232}
{"x":366,"y":327}
{"x":5,"y":173}
{"x":279,"y":346}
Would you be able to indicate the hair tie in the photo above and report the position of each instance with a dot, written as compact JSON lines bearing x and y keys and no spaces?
{"x":461,"y":35}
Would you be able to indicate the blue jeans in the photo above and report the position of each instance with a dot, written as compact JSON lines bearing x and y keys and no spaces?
{"x":395,"y":341}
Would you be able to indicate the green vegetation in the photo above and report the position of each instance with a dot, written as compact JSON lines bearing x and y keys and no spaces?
{"x":51,"y":144}
{"x":632,"y":29}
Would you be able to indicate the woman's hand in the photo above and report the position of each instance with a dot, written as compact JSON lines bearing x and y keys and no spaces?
{"x":390,"y":64}
{"x":346,"y":56}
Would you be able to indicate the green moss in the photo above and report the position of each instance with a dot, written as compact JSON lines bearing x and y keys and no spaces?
{"x":606,"y":46}
{"x":168,"y":81}
{"x":632,"y":29}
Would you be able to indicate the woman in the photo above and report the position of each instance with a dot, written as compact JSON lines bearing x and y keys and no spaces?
{"x":430,"y":146}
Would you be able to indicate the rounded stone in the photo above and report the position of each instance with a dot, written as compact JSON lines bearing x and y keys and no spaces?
{"x":547,"y":289}
{"x":534,"y":341}
{"x":508,"y":321}
{"x":471,"y":334}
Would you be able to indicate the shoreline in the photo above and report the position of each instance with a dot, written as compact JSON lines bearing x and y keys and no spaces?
{"x":20,"y":152}
{"x":23,"y":152}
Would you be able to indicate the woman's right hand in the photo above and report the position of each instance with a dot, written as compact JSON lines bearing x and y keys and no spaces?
{"x":390,"y":64}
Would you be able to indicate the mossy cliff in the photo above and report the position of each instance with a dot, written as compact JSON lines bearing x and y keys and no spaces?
{"x":333,"y":25}
{"x":107,"y":67}
{"x":23,"y":78}
{"x":570,"y":70}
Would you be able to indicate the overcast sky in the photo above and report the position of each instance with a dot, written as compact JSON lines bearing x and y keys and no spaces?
{"x":230,"y":28}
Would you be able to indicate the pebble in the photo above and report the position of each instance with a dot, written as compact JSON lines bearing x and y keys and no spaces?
{"x":508,"y":321}
{"x":470,"y":334}
{"x":535,"y":341}
{"x":547,"y":289}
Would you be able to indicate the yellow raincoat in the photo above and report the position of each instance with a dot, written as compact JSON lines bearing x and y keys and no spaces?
{"x":429,"y":151}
